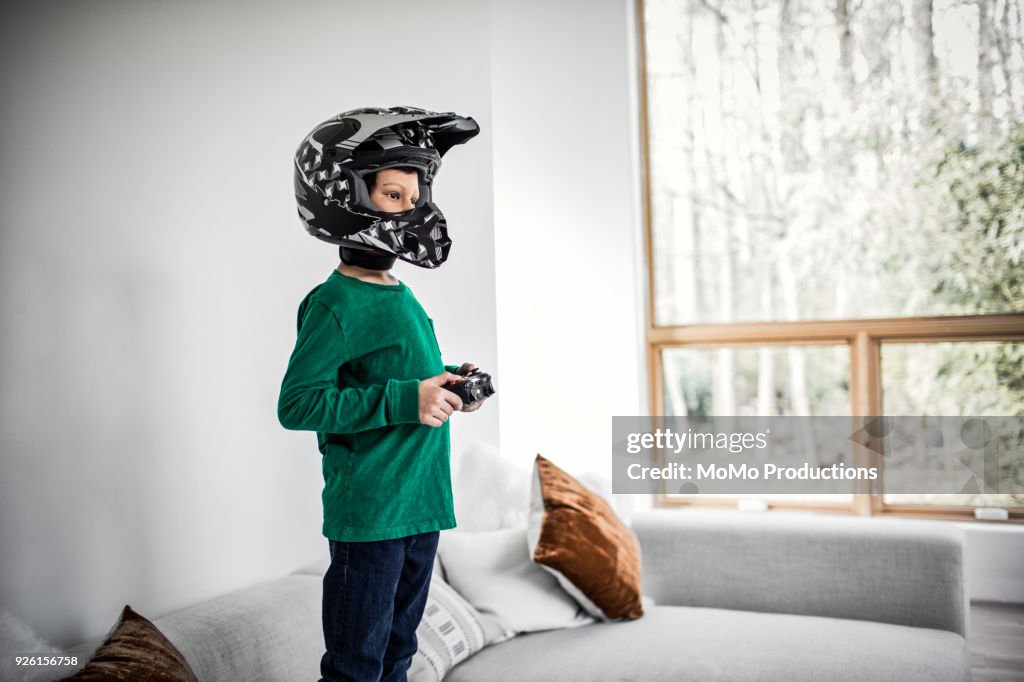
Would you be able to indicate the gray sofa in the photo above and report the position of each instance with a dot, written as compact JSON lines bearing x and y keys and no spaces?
{"x":739,"y":597}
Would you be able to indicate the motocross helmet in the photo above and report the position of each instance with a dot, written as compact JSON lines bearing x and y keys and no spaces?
{"x":333,"y":199}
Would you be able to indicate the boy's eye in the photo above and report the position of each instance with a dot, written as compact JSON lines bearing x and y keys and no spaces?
{"x":397,"y":197}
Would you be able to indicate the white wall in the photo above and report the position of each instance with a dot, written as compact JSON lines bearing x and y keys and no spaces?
{"x":567,"y":250}
{"x":151,"y":266}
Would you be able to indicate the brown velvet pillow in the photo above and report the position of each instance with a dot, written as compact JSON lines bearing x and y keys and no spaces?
{"x":583,"y":543}
{"x":136,"y":650}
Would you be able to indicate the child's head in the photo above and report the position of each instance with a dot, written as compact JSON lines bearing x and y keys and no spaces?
{"x":334,"y":202}
{"x":394,"y":190}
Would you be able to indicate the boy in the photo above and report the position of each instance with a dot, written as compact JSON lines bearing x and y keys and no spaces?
{"x":366,"y":374}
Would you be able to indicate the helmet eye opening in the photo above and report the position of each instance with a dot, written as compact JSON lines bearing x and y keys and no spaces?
{"x":424,"y":194}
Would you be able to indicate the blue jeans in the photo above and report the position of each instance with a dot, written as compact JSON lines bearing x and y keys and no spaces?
{"x":374,"y":597}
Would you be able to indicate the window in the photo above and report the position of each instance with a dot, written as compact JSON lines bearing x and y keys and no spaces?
{"x":966,"y":378}
{"x":834,"y":222}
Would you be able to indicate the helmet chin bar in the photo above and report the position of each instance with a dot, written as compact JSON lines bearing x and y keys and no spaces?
{"x":364,"y":259}
{"x":418,"y":236}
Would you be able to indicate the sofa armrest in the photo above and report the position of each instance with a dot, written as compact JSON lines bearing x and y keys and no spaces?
{"x":900,"y":571}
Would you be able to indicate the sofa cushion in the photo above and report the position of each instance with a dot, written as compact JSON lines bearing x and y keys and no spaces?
{"x":268,"y":632}
{"x":677,"y":643}
{"x":451,"y":631}
{"x":18,"y":638}
{"x":900,"y":571}
{"x":575,"y":535}
{"x":493,"y":572}
{"x":136,"y":649}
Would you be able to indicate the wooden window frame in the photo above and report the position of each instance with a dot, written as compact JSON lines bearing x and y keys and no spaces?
{"x":863,"y":336}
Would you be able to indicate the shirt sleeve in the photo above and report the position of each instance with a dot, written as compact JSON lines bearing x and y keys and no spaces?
{"x":454,"y":369}
{"x":311,"y":400}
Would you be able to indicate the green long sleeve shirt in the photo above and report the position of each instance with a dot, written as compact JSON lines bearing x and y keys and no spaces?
{"x":353,"y":377}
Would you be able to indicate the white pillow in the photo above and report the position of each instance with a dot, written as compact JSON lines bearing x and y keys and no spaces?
{"x":490,"y":492}
{"x":450,"y":632}
{"x":493,"y":570}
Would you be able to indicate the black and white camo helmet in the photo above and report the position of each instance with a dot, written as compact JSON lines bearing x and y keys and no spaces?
{"x":334,"y":201}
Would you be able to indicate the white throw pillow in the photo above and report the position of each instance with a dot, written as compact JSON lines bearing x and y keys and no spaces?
{"x":490,"y":492}
{"x":494,"y":572}
{"x":451,"y":631}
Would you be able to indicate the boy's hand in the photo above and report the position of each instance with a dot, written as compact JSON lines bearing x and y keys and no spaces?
{"x":437,"y":403}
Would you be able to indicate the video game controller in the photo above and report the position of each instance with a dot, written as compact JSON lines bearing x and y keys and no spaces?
{"x":472,"y":388}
